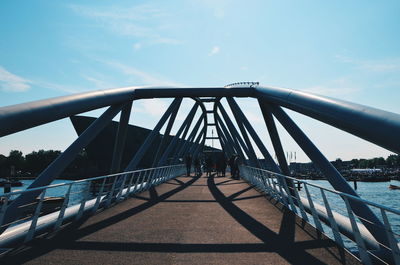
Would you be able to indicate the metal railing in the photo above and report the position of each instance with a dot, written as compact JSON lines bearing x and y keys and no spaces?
{"x":74,"y":200}
{"x":329,"y":212}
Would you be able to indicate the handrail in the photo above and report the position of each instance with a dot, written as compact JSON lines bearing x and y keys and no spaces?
{"x":77,"y":201}
{"x":339,"y":224}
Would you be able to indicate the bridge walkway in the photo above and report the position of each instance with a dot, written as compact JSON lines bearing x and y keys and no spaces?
{"x":189,"y":220}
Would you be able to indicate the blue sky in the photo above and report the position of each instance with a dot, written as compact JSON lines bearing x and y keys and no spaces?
{"x":343,"y":49}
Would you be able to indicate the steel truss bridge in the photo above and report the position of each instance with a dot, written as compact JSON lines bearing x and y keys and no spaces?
{"x":366,"y":224}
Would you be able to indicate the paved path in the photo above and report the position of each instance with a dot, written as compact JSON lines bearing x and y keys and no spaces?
{"x":186,"y":221}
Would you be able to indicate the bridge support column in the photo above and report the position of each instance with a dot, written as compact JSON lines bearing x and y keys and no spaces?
{"x":230,"y":139}
{"x":120,"y":138}
{"x":276,"y":142}
{"x":189,"y":141}
{"x":166,"y":134}
{"x":226,"y":146}
{"x":235,"y":107}
{"x":239,"y":122}
{"x":235,"y":134}
{"x":149,"y":140}
{"x":172,"y":144}
{"x":367,"y":217}
{"x":60,"y":163}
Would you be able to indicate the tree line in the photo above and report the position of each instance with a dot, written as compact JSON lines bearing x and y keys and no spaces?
{"x":392,"y":161}
{"x":32,"y":164}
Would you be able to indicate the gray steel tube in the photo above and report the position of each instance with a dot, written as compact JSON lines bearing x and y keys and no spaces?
{"x":374,"y":125}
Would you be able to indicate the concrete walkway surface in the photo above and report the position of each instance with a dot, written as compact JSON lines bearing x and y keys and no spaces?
{"x":188,"y":220}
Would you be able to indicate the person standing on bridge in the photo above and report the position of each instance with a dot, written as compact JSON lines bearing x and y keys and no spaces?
{"x":188,"y":161}
{"x":197,"y":166}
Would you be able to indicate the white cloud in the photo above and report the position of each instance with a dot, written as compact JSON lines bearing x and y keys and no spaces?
{"x":214,"y":50}
{"x":58,"y":87}
{"x":155,"y":107}
{"x":379,"y":65}
{"x":13,"y":83}
{"x":331,"y":91}
{"x":218,"y":8}
{"x":142,"y":21}
{"x":137,"y":46}
{"x":141,"y":76}
{"x":100,"y":83}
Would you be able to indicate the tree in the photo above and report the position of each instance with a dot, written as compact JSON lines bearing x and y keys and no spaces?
{"x":16,"y":159}
{"x":36,"y":162}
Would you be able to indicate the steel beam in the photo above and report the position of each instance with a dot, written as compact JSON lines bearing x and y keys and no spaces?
{"x":166,"y":134}
{"x":235,"y":147}
{"x":150,"y":138}
{"x":172,"y":144}
{"x":235,"y":134}
{"x":61,"y":162}
{"x":191,"y":137}
{"x":120,"y":138}
{"x":254,"y":135}
{"x":374,"y":125}
{"x":367,"y":217}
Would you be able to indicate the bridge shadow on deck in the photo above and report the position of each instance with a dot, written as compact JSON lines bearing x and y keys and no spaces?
{"x":281,"y":242}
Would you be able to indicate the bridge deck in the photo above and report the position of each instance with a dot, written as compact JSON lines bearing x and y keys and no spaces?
{"x":187,"y":221}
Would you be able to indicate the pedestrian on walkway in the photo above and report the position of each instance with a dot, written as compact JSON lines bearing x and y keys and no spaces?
{"x":188,"y":161}
{"x":197,"y":166}
{"x":209,"y":165}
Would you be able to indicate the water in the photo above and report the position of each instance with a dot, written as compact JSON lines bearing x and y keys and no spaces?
{"x":75,"y":195}
{"x":377,"y":192}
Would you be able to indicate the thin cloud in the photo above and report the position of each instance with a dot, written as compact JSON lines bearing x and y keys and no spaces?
{"x":137,"y":46}
{"x":214,"y":50}
{"x":13,"y":83}
{"x":381,"y":65}
{"x":155,"y":107}
{"x":58,"y":87}
{"x":143,"y":77}
{"x":141,"y":21}
{"x":338,"y":87}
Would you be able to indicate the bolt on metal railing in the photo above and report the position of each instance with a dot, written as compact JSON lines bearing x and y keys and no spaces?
{"x":339,"y":223}
{"x":74,"y":200}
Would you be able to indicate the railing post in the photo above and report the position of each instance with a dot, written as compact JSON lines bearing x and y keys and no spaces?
{"x":332,"y":221}
{"x":129,"y":185}
{"x":360,"y":242}
{"x":62,"y":210}
{"x":122,"y":188}
{"x":392,"y":241}
{"x":313,"y":211}
{"x":35,"y":217}
{"x":97,"y":203}
{"x":83,"y":202}
{"x":3,"y":208}
{"x":111,"y":193}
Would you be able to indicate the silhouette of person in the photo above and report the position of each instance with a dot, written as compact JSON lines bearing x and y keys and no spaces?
{"x":188,"y":161}
{"x":197,"y":166}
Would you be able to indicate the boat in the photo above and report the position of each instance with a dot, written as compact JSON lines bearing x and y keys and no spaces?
{"x":12,"y":182}
{"x":394,"y":187}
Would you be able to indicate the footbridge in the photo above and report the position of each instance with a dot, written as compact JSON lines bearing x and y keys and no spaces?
{"x":158,"y":215}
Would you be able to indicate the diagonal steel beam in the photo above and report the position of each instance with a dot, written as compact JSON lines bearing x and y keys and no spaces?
{"x":150,"y":138}
{"x":367,"y":217}
{"x":120,"y":138}
{"x":239,"y":122}
{"x":166,"y":133}
{"x":254,"y":135}
{"x":172,"y":144}
{"x":235,"y":134}
{"x":60,"y":163}
{"x":191,"y":137}
{"x":234,"y":145}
